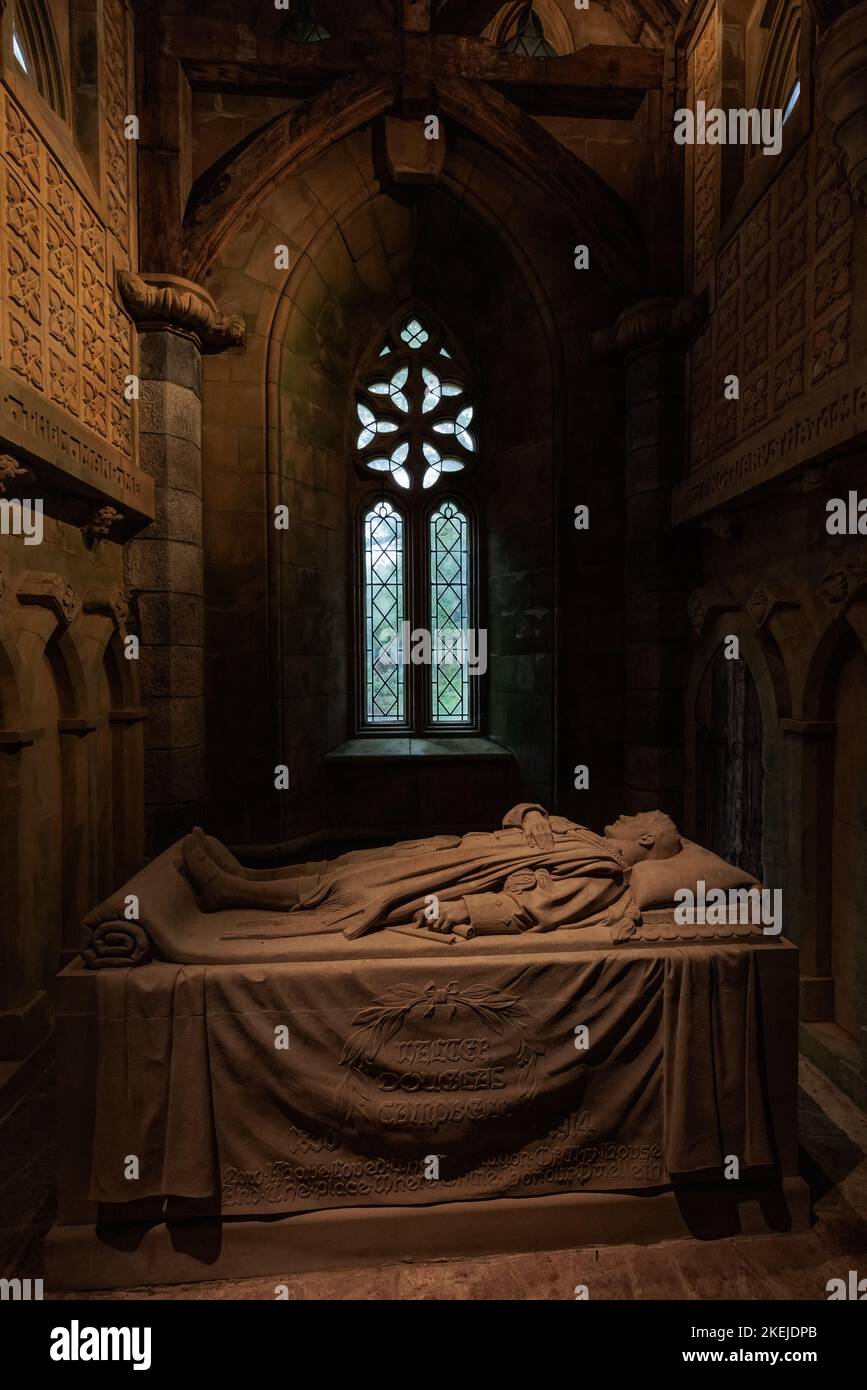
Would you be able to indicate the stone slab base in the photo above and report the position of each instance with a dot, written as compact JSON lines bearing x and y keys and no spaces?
{"x":88,"y":1257}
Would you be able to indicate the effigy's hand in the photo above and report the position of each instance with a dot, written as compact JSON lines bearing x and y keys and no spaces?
{"x":449,"y":916}
{"x":537,"y":830}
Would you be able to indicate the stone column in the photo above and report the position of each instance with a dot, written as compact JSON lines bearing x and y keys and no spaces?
{"x":841,"y":88}
{"x":651,"y":338}
{"x":177,"y":322}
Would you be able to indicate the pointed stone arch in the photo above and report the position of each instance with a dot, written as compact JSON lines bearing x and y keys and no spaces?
{"x":290,"y":143}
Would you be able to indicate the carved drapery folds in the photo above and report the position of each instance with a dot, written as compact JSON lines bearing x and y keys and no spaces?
{"x":841,"y":64}
{"x":172,"y":303}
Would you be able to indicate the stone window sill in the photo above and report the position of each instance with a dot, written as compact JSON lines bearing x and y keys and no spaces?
{"x":411,"y":749}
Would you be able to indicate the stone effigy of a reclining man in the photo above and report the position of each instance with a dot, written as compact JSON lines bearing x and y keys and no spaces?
{"x":538,"y":873}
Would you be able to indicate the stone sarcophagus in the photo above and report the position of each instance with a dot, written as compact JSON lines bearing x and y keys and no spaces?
{"x":236,"y":1100}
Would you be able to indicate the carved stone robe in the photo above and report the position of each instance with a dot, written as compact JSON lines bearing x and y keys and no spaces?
{"x":508,"y":885}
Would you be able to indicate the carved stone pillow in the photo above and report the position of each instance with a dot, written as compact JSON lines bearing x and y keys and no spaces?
{"x":654,"y":882}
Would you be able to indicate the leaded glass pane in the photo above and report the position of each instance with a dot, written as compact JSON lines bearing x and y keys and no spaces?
{"x":302,"y":26}
{"x":450,"y":614}
{"x":414,"y":335}
{"x":530,"y":41}
{"x":384,"y":568}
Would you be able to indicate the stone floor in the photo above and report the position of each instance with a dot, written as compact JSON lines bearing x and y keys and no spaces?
{"x":834,"y":1163}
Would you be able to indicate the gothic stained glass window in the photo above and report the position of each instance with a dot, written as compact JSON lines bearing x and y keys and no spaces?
{"x":417,"y":396}
{"x":449,"y":552}
{"x":415,"y":435}
{"x":384,"y":596}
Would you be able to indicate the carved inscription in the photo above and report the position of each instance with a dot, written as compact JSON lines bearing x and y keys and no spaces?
{"x":565,"y":1159}
{"x":840,"y":417}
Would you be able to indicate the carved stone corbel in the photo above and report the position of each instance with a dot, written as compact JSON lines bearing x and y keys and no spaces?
{"x":170,"y":302}
{"x":111,"y":603}
{"x":11,"y":471}
{"x":763,"y":603}
{"x":50,"y":591}
{"x":705,"y":606}
{"x":723,"y":526}
{"x":99,"y":525}
{"x":840,"y":586}
{"x":673,"y":321}
{"x":410,"y":156}
{"x":841,"y":86}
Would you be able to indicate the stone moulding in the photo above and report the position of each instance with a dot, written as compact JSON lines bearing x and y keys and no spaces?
{"x":50,"y":591}
{"x":170,"y":302}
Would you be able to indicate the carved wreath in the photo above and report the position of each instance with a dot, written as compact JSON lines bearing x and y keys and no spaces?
{"x":376,"y":1025}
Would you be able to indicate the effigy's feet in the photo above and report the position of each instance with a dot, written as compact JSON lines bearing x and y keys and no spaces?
{"x":205,"y":874}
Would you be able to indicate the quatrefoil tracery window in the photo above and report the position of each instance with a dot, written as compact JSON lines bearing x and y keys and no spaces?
{"x":415,"y":416}
{"x":414,"y":442}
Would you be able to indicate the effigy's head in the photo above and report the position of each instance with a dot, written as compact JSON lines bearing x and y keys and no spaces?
{"x":653,"y":833}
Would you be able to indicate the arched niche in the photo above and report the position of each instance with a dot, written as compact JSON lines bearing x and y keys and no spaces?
{"x":23,"y":1004}
{"x":833,"y":954}
{"x":736,"y":787}
{"x":729,"y":771}
{"x":477,"y":248}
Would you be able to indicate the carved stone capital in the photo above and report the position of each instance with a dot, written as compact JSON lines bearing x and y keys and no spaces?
{"x":111,"y":603}
{"x":763,"y":603}
{"x":167,"y":301}
{"x":50,"y":591}
{"x":674,"y":322}
{"x":841,"y":585}
{"x":841,"y":86}
{"x":706,"y":605}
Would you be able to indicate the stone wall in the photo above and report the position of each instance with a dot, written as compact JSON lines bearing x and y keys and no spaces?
{"x":784,"y":275}
{"x":71,"y":756}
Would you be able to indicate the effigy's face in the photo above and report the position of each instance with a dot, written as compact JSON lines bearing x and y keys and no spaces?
{"x":630,"y":827}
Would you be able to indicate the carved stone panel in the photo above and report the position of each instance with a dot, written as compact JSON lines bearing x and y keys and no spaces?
{"x":788,"y":330}
{"x":63,"y":335}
